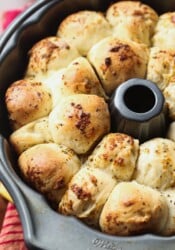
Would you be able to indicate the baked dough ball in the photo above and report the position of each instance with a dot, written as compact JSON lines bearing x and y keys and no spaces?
{"x":83,"y":120}
{"x":27,"y":100}
{"x":169,"y":94}
{"x":83,"y":29}
{"x":161,"y":67}
{"x":77,"y":78}
{"x":79,"y":121}
{"x":132,"y":20}
{"x":80,"y":78}
{"x":156,"y":163}
{"x":117,"y":60}
{"x":112,"y":160}
{"x":133,"y":209}
{"x":87,"y":192}
{"x":169,"y":228}
{"x":165,"y":31}
{"x":48,"y":168}
{"x":31,"y":134}
{"x":117,"y":154}
{"x":49,"y":54}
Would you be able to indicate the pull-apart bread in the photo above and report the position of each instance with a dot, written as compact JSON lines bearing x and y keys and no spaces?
{"x":116,"y":61}
{"x":78,"y":122}
{"x":133,"y":208}
{"x":61,"y":125}
{"x":132,"y":20}
{"x":26,"y":101}
{"x":48,"y":168}
{"x":113,"y":160}
{"x":164,"y":33}
{"x":49,"y":54}
{"x":84,"y":29}
{"x":156,"y":164}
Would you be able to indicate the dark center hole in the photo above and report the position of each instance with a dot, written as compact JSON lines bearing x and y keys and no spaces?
{"x":139,"y":99}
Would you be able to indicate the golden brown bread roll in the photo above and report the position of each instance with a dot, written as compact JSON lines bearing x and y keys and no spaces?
{"x":161,"y":65}
{"x":117,"y":60}
{"x":165,"y":31}
{"x":156,"y":164}
{"x":79,"y":121}
{"x":83,"y":29}
{"x":132,"y":20}
{"x":117,"y":154}
{"x":113,"y":160}
{"x":169,"y":228}
{"x":80,"y":78}
{"x":86,"y":194}
{"x":77,"y":78}
{"x":31,"y":134}
{"x":27,"y":100}
{"x":48,"y":168}
{"x":49,"y":54}
{"x":133,"y":209}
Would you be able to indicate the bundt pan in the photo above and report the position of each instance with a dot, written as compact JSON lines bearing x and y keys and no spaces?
{"x":43,"y":227}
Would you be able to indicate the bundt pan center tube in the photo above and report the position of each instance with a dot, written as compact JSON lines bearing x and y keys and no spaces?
{"x":44,"y":228}
{"x":137,"y":108}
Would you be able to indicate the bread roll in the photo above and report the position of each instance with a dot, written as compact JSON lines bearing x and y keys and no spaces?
{"x":113,"y":160}
{"x":80,"y":78}
{"x":169,"y":94}
{"x":27,"y":100}
{"x":79,"y":121}
{"x":49,"y":54}
{"x":133,"y":209}
{"x":132,"y":20}
{"x":165,"y":31}
{"x":117,"y":60}
{"x":156,"y":163}
{"x":83,"y":29}
{"x":117,"y":154}
{"x":169,"y":228}
{"x":77,"y":78}
{"x":83,"y":120}
{"x":48,"y":168}
{"x":161,"y":66}
{"x":31,"y":134}
{"x":86,"y":194}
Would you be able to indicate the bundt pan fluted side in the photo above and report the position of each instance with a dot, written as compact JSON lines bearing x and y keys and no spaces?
{"x":44,"y":228}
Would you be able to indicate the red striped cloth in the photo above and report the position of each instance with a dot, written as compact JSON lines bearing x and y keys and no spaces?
{"x":11,"y":235}
{"x":8,"y":16}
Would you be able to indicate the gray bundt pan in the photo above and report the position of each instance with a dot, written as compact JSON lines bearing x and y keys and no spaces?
{"x":44,"y":228}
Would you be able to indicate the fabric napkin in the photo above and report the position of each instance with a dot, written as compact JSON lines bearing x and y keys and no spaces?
{"x":11,"y":236}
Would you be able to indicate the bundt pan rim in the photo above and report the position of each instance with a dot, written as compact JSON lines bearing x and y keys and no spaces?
{"x":43,"y":228}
